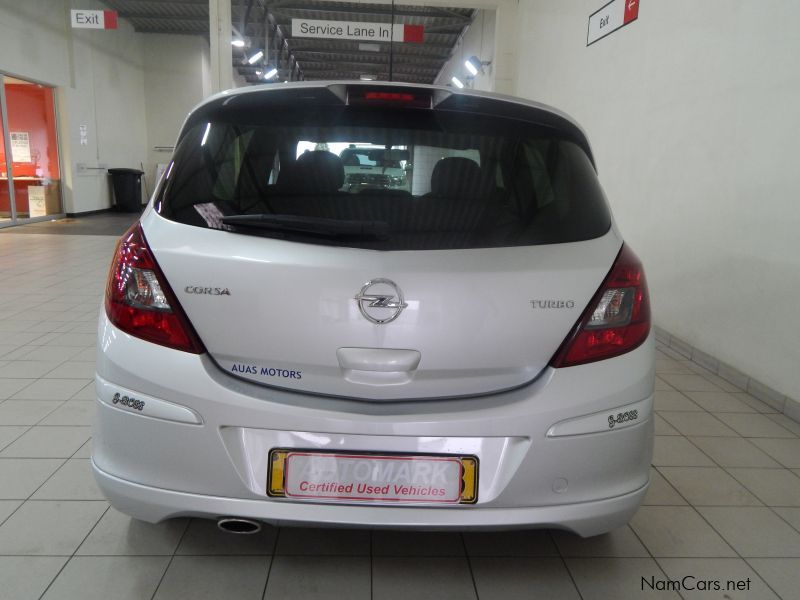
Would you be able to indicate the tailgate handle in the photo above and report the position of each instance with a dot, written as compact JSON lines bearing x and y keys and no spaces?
{"x":387,"y":360}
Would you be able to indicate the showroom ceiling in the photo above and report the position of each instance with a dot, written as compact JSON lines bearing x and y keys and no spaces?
{"x":266,"y":23}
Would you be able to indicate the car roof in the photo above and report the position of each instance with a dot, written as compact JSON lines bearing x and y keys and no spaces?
{"x":490,"y":102}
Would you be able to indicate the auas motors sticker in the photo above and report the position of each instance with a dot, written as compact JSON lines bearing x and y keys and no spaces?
{"x":265,"y":371}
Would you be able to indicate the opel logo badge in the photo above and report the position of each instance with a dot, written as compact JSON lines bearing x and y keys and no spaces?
{"x":380,"y":301}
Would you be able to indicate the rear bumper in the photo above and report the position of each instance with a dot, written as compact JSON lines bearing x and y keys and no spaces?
{"x":155,"y":504}
{"x":204,"y":451}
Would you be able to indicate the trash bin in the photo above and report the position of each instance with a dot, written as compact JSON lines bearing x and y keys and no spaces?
{"x":127,"y":189}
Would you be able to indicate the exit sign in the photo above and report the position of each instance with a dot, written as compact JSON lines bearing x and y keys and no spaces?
{"x":614,"y":15}
{"x":93,"y":19}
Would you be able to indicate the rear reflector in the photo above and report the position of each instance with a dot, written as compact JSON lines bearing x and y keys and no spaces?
{"x":139,"y":300}
{"x":617,"y":319}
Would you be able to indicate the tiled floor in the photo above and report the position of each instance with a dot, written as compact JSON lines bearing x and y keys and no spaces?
{"x":724,"y":502}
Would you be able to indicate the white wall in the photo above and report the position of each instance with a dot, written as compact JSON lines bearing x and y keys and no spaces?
{"x":693,"y":114}
{"x":478,"y":40}
{"x":176,"y":78}
{"x":99,"y":79}
{"x":131,"y":90}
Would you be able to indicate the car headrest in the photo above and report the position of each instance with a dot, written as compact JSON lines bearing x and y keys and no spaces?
{"x":457,"y":176}
{"x":314,"y":172}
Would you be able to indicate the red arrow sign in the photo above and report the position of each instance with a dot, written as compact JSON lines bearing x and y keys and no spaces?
{"x":631,"y":11}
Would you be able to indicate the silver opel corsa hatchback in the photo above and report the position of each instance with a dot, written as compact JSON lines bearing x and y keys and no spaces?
{"x":458,"y":339}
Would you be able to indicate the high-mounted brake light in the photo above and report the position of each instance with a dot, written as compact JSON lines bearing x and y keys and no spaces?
{"x":361,"y":95}
{"x":617,"y":319}
{"x":389,"y":96}
{"x":139,"y":300}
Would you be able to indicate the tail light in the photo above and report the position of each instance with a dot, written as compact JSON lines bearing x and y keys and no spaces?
{"x":139,"y":300}
{"x":616,"y":321}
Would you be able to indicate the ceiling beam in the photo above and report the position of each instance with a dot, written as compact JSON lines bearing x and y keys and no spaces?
{"x":366,"y":56}
{"x":312,"y":43}
{"x":368,"y":10}
{"x":348,"y":75}
{"x":363,"y":67}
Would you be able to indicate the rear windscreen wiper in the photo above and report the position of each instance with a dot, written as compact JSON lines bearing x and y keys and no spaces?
{"x":311,"y":225}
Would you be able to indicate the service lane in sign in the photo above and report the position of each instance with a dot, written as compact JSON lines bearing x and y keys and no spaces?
{"x":351,"y":30}
{"x":614,"y":15}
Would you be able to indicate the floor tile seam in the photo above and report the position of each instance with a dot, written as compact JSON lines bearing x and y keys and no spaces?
{"x":563,"y":561}
{"x":24,"y":357}
{"x":371,"y":567}
{"x":708,"y":374}
{"x":715,"y":466}
{"x":362,"y":555}
{"x":50,"y":425}
{"x":768,"y":453}
{"x":9,"y":352}
{"x":29,"y":498}
{"x":34,"y":500}
{"x":72,"y":456}
{"x":272,"y":560}
{"x":170,"y":561}
{"x":71,"y":556}
{"x":713,"y":416}
{"x":694,"y":508}
{"x":593,"y":556}
{"x":766,"y":583}
{"x":21,"y":502}
{"x":688,"y":439}
{"x":92,"y":382}
{"x":469,"y":564}
{"x":707,"y":466}
{"x":742,"y":483}
{"x":269,"y":572}
{"x":777,"y":514}
{"x":36,"y":424}
{"x":53,"y":457}
{"x":636,"y":533}
{"x":29,"y":427}
{"x":65,"y":458}
{"x":791,"y":433}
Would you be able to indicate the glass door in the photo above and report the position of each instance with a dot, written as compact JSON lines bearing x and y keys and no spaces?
{"x":7,"y":215}
{"x":30,"y":172}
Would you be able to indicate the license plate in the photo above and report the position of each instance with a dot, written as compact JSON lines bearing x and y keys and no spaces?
{"x":374,"y":478}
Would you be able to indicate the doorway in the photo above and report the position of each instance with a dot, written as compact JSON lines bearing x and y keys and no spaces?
{"x":30,"y":169}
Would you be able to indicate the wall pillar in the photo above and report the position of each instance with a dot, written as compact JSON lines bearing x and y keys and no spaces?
{"x":504,"y":67}
{"x":219,"y":15}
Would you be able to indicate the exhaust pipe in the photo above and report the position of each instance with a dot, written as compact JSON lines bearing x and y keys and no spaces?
{"x":238,"y":525}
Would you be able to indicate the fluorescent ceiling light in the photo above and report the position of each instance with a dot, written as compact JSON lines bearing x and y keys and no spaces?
{"x":475,"y":65}
{"x":369,"y":47}
{"x":457,"y":82}
{"x":256,"y":57}
{"x":237,"y":42}
{"x":271,"y":73}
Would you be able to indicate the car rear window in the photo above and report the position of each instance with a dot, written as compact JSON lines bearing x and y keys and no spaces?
{"x":424,"y":178}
